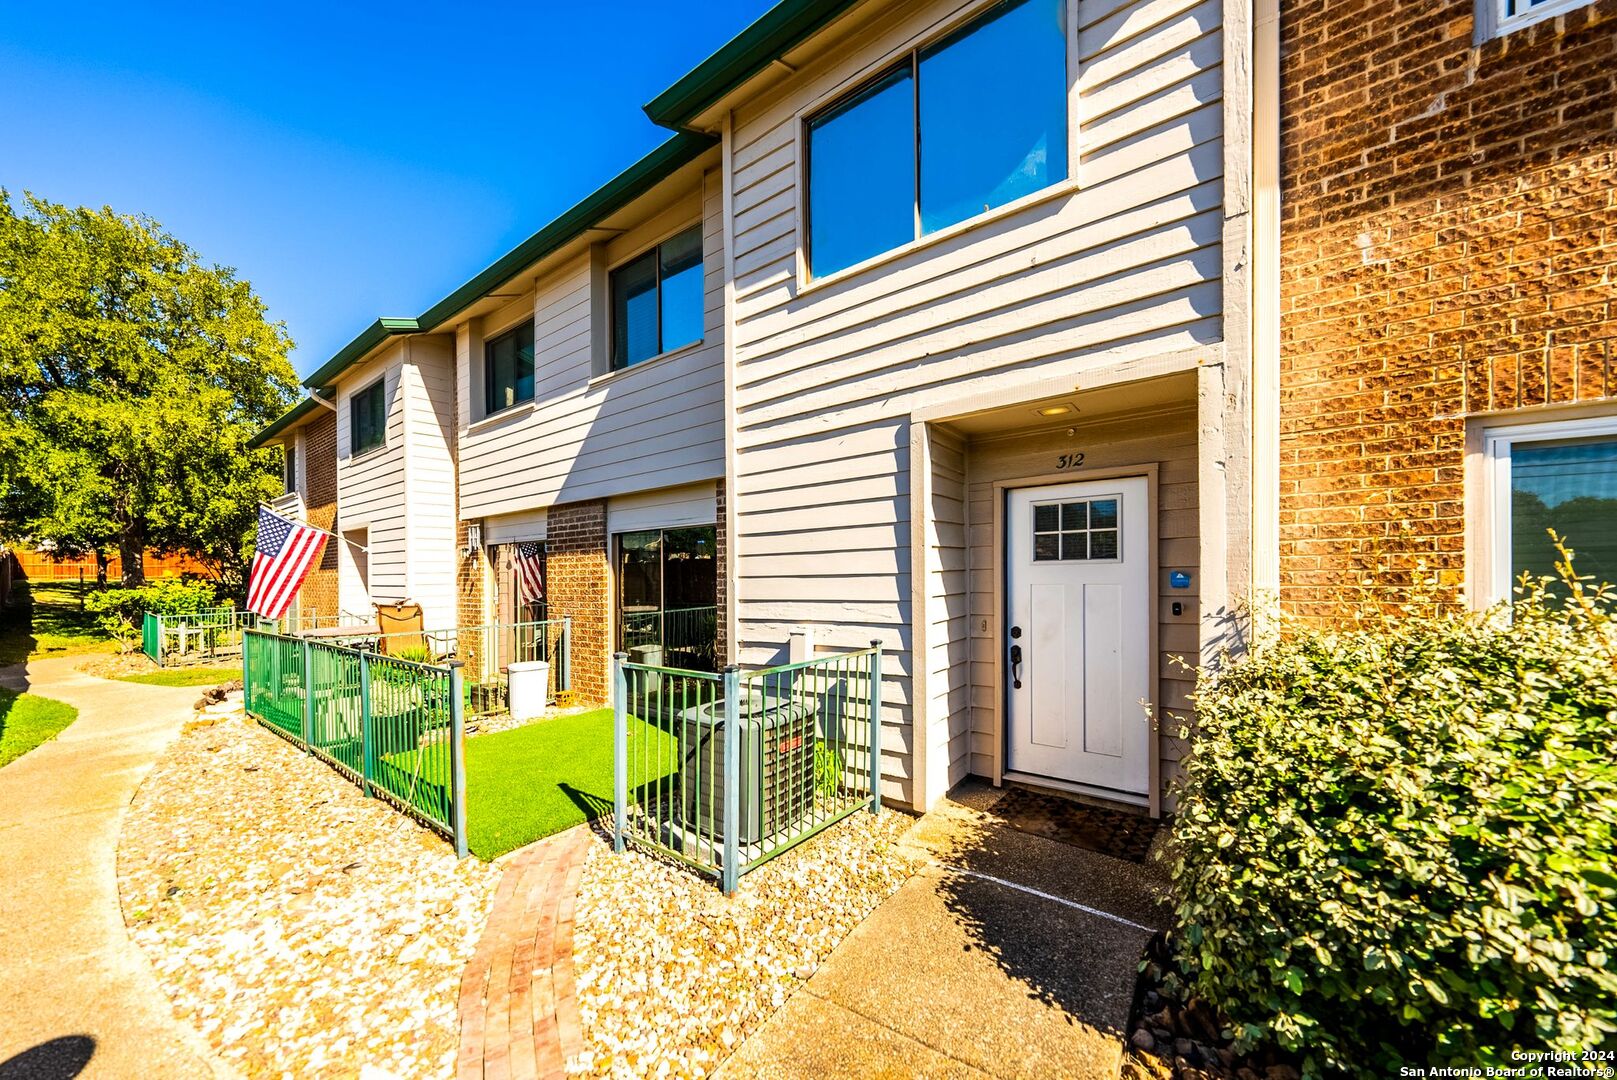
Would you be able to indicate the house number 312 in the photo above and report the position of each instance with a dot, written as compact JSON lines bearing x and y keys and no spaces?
{"x":1070,"y":461}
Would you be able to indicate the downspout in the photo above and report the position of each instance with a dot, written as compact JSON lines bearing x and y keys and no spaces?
{"x":1266,"y":303}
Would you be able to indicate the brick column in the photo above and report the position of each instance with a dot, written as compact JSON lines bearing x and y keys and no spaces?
{"x":319,"y":593}
{"x":580,"y":586}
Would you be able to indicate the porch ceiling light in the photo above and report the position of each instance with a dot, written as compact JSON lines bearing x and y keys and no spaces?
{"x":1050,"y":412}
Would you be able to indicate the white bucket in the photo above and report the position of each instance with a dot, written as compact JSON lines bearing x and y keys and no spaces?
{"x":528,"y":685}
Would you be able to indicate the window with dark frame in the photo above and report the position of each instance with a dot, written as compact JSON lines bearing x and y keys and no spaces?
{"x":963,"y":125}
{"x":667,"y":585}
{"x":657,"y":302}
{"x":289,"y":463}
{"x":508,"y":369}
{"x":367,"y":418}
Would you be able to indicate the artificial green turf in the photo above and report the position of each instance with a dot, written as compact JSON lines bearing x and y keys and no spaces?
{"x":536,"y":780}
{"x":197,"y":676}
{"x":26,"y":720}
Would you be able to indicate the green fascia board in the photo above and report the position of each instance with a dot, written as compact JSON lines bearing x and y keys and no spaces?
{"x":372,"y":336}
{"x":289,"y":419}
{"x":676,"y":152}
{"x":776,"y":32}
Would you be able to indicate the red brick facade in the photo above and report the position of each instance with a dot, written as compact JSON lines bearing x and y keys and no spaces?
{"x":1449,"y":248}
{"x":319,"y":593}
{"x":580,"y":583}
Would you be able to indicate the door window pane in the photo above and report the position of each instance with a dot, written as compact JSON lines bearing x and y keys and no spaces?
{"x":667,"y":596}
{"x":993,"y":105}
{"x":681,"y":289}
{"x":508,"y":369}
{"x":1570,"y":487}
{"x":640,"y":588}
{"x":862,"y":175}
{"x":1084,"y":529}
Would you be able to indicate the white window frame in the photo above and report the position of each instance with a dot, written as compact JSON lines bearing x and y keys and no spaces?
{"x":1494,"y":18}
{"x":1497,"y":443}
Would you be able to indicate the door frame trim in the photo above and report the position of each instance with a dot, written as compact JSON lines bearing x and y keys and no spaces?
{"x":1001,"y":732}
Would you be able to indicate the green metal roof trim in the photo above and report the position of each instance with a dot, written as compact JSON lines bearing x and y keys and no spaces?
{"x":288,"y":419}
{"x":775,"y":33}
{"x":679,"y":150}
{"x":372,"y":336}
{"x":633,"y":182}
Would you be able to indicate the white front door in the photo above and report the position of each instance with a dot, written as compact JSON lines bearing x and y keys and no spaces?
{"x":1077,"y":644}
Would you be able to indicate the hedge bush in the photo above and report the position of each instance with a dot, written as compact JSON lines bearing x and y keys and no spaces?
{"x":1395,"y":838}
{"x":121,"y":611}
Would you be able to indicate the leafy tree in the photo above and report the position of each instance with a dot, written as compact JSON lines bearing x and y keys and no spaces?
{"x":131,"y":377}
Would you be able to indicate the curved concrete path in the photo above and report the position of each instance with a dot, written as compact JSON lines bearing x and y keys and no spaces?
{"x":71,"y":982}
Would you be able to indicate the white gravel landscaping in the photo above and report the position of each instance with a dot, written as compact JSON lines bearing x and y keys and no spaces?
{"x":672,"y":975}
{"x":305,"y":930}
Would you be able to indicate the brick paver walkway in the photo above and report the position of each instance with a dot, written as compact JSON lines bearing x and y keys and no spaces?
{"x":518,"y":1005}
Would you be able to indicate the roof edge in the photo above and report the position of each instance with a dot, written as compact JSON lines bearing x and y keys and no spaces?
{"x":673,"y":153}
{"x":368,"y":338}
{"x":289,"y":419}
{"x":770,"y":36}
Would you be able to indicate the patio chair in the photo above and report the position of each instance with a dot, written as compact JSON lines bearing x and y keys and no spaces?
{"x":400,"y":629}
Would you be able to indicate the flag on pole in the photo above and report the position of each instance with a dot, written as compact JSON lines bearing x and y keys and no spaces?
{"x":531,"y":571}
{"x":286,"y":553}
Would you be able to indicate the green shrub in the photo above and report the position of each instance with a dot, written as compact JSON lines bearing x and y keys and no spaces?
{"x":121,"y":611}
{"x":1395,"y":838}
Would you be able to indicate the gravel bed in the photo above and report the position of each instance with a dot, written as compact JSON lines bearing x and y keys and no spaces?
{"x":305,"y":930}
{"x":672,"y":975}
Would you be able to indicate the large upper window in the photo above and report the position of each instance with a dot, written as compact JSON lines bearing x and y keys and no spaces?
{"x":1553,"y":476}
{"x":657,"y":300}
{"x":289,"y":466}
{"x":508,"y":369}
{"x":966,"y":124}
{"x":367,"y":418}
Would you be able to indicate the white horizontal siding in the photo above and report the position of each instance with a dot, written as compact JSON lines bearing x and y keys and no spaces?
{"x":670,"y":508}
{"x":1126,"y":265}
{"x":430,"y":478}
{"x":588,"y":436}
{"x":370,"y":487}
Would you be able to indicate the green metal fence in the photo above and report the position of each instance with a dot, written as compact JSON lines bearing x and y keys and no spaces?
{"x":198,"y":638}
{"x":759,"y":760}
{"x":394,"y":727}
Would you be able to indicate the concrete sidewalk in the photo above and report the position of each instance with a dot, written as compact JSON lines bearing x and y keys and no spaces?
{"x":1007,"y":955}
{"x":74,"y":990}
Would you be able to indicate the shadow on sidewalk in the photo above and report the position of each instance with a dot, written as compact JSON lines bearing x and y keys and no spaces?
{"x":61,"y":1058}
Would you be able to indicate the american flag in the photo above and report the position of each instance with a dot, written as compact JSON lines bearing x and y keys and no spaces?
{"x":531,"y":571}
{"x":286,"y":552}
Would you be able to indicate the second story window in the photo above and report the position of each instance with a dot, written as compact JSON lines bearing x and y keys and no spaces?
{"x":508,"y":369}
{"x":289,"y":461}
{"x":367,"y":418}
{"x":657,"y":300}
{"x":971,"y":122}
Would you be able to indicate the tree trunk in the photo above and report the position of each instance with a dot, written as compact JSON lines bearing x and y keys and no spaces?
{"x":132,"y":553}
{"x":101,"y":569}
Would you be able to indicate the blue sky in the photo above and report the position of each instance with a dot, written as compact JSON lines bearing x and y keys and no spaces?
{"x":349,"y":160}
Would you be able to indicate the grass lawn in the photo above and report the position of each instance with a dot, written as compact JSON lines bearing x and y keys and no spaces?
{"x":26,"y":720}
{"x":535,"y":780}
{"x":196,"y":676}
{"x":45,"y":620}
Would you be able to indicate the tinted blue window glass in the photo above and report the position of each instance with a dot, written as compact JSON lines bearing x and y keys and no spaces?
{"x":993,"y":103}
{"x":862,"y":175}
{"x":682,"y":289}
{"x":634,"y":311}
{"x":1571,"y":488}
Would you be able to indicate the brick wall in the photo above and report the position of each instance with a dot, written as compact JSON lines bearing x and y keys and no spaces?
{"x":319,"y":593}
{"x":1449,"y":247}
{"x":579,"y":580}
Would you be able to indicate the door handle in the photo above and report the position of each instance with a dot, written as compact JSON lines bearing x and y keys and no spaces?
{"x":1016,"y":666}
